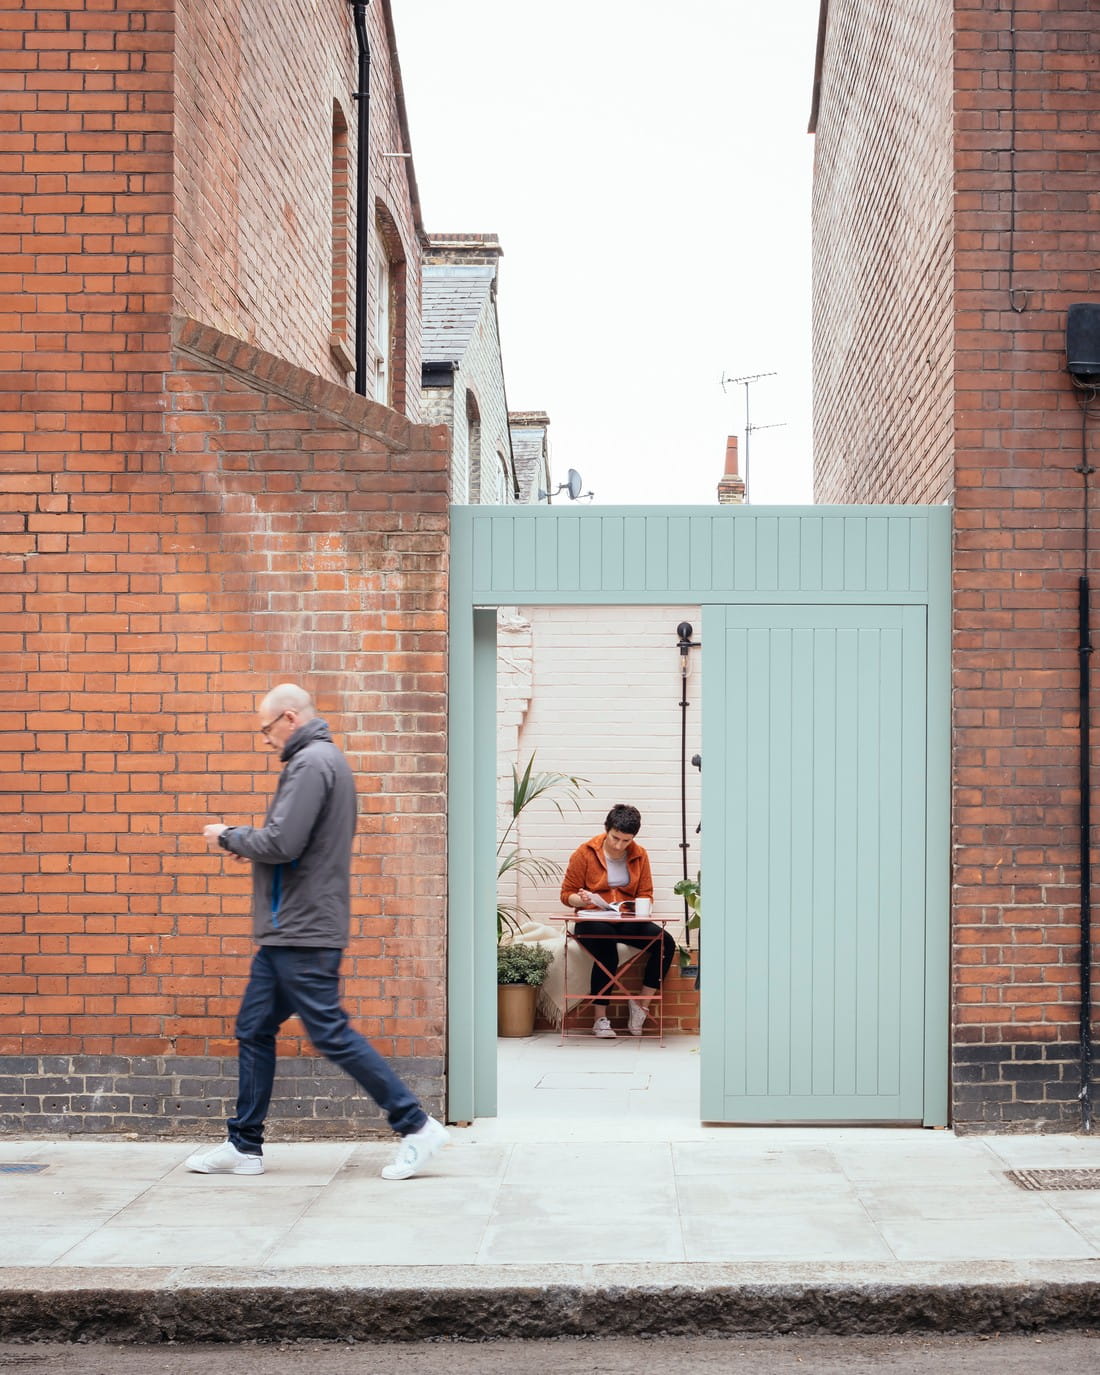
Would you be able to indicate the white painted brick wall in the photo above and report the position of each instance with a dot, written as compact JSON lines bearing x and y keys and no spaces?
{"x":480,"y":372}
{"x":604,"y":695}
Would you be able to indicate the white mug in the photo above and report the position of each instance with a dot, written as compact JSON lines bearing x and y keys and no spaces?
{"x":643,"y":907}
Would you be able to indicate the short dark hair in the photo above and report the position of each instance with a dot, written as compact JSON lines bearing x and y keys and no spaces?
{"x":623,"y":817}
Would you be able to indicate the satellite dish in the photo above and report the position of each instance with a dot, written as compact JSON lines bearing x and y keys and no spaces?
{"x":572,"y":485}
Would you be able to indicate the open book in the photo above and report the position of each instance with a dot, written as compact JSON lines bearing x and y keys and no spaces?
{"x":617,"y":909}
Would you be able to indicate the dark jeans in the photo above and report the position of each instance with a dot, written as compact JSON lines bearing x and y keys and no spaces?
{"x":633,"y":933}
{"x":300,"y":979}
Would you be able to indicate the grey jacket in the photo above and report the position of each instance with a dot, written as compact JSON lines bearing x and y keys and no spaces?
{"x":301,"y":855}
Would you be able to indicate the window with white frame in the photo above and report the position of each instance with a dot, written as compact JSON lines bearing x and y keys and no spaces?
{"x":383,"y":322}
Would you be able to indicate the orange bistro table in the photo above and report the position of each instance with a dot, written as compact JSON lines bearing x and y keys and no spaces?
{"x":616,"y":991}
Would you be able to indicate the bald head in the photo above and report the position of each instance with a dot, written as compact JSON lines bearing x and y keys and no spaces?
{"x":288,"y":697}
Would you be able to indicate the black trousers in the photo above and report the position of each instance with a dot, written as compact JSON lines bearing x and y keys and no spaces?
{"x":594,"y":937}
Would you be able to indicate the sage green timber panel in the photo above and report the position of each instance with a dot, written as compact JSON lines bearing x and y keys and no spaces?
{"x":640,"y":555}
{"x":783,"y":558}
{"x":471,"y":836}
{"x":814,"y":858}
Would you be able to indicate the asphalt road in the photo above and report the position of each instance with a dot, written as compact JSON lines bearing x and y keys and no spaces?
{"x":1049,"y":1354}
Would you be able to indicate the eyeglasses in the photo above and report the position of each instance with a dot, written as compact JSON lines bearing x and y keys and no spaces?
{"x":266,"y":730}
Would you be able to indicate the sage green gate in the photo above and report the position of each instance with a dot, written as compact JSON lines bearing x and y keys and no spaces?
{"x":825,"y":726}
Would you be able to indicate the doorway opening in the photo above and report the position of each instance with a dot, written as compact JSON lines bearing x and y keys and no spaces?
{"x":610,"y":696}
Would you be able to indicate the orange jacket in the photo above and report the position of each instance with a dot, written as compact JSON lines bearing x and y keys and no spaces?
{"x":588,"y":869}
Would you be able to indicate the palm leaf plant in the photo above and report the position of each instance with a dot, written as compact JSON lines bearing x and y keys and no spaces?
{"x":516,"y":859}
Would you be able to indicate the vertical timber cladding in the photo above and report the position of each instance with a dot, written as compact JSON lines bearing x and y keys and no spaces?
{"x":825,"y":725}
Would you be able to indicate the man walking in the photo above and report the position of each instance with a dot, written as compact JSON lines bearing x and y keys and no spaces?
{"x":301,"y":908}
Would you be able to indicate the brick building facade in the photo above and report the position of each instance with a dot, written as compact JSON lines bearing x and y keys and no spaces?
{"x":463,"y":376}
{"x":193,"y":506}
{"x":955,"y":220}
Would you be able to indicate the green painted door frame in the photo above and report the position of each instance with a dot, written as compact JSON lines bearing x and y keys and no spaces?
{"x":853,"y":582}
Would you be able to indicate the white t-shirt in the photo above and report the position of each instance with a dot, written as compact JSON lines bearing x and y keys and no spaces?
{"x":618,"y":872}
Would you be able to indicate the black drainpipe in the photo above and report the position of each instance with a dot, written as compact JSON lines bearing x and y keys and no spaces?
{"x":1084,"y":651}
{"x":685,"y":644}
{"x":362,"y":202}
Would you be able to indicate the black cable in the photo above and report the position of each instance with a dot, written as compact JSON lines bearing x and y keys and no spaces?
{"x":683,"y":766}
{"x":685,"y":644}
{"x":1015,"y":293}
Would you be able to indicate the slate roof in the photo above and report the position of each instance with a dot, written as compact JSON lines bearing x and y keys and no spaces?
{"x":453,"y":299}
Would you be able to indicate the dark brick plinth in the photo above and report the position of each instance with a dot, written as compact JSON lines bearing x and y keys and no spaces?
{"x":161,"y":1096}
{"x":1026,"y":1087}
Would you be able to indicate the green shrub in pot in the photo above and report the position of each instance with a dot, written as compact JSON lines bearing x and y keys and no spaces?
{"x":522,"y":964}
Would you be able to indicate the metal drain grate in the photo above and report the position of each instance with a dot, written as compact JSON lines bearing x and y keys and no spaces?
{"x":1055,"y":1179}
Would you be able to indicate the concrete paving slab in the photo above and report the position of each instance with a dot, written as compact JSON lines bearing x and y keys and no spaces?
{"x":25,"y":1243}
{"x":739,"y":1194}
{"x":207,"y":1200}
{"x":380,"y":1241}
{"x":628,"y":1217}
{"x":511,"y":1240}
{"x":1041,"y":1238}
{"x":57,"y":1199}
{"x":425,"y":1201}
{"x":174,"y":1244}
{"x":825,"y":1234}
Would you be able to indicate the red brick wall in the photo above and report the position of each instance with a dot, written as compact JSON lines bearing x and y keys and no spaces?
{"x":255,"y":87}
{"x":1017,"y":263}
{"x":85,"y":252}
{"x":313,"y":549}
{"x":679,"y":1015}
{"x":182,"y":525}
{"x":882,"y":254}
{"x":291,"y":531}
{"x":1019,"y":548}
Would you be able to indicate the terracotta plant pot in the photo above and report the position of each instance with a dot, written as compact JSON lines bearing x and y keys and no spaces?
{"x":516,"y":1009}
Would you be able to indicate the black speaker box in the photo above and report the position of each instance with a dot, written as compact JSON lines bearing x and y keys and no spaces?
{"x":1083,"y":342}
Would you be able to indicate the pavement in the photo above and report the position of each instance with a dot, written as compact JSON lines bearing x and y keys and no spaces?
{"x":595,"y":1204}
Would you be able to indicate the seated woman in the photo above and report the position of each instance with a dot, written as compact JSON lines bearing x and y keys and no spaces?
{"x":612,"y":866}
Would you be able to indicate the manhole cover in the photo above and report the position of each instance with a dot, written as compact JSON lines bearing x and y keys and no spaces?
{"x":19,"y":1167}
{"x":1055,"y":1179}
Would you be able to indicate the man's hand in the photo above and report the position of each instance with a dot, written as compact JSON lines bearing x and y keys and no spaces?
{"x":213,"y":832}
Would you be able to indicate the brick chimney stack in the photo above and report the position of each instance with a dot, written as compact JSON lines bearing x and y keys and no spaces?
{"x":731,"y":490}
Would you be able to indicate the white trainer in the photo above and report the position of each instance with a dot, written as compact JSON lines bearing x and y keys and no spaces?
{"x":603,"y":1028}
{"x":415,"y":1150}
{"x":638,"y":1014}
{"x":225,"y":1159}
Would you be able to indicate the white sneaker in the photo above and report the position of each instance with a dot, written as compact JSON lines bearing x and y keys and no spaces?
{"x":225,"y":1159}
{"x":603,"y":1028}
{"x":415,"y":1150}
{"x":638,"y":1014}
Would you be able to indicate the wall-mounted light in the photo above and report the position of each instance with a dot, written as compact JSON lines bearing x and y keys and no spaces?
{"x":1083,"y":344}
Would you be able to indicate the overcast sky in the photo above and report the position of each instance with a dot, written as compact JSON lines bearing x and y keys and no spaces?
{"x":647,"y":168}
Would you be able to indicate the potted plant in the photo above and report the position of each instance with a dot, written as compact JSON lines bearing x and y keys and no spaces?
{"x":690,"y":889}
{"x":521,"y":969}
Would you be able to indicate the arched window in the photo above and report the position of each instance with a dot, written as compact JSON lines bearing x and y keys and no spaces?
{"x":389,"y":288}
{"x":506,"y":492}
{"x":383,"y":337}
{"x":473,"y":450}
{"x":339,"y":332}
